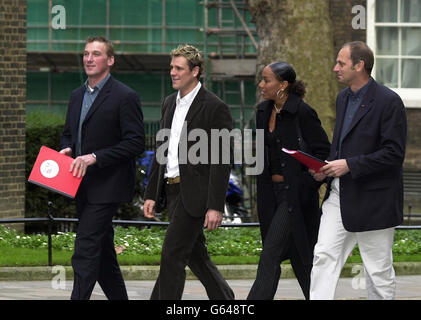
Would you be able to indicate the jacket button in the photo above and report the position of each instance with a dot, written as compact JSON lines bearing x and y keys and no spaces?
{"x":278,"y":141}
{"x":283,"y":165}
{"x":290,"y":209}
{"x":286,"y":187}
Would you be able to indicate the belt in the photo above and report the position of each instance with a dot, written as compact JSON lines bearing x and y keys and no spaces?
{"x":277,"y":178}
{"x":173,"y":180}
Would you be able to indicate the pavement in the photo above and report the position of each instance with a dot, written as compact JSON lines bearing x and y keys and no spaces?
{"x":55,"y":283}
{"x":408,"y":288}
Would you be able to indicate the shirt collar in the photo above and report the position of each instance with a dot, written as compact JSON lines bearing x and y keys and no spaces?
{"x":360,"y":92}
{"x":98,"y":86}
{"x":188,"y":98}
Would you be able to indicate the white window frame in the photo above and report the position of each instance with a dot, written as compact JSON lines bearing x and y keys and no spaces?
{"x":411,"y":97}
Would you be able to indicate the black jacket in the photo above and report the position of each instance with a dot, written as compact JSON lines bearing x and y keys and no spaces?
{"x":371,"y":194}
{"x":301,"y":189}
{"x":203,"y":186}
{"x":113,"y":130}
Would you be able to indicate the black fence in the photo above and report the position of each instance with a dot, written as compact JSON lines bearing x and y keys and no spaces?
{"x":51,"y":221}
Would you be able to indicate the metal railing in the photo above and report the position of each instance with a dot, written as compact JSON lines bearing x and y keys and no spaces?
{"x":51,"y":220}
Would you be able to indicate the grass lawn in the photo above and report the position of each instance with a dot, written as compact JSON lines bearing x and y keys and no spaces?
{"x":143,"y":247}
{"x":39,"y":257}
{"x":31,"y":257}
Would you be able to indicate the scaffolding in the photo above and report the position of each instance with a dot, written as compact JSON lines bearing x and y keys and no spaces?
{"x":143,"y":32}
{"x":230,"y":67}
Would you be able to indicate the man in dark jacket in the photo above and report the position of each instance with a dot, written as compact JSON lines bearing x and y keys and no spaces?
{"x":364,"y":202}
{"x":104,"y":132}
{"x":195,"y":192}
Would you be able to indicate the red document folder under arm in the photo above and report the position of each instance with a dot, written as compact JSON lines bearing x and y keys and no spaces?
{"x":51,"y":171}
{"x":306,"y":159}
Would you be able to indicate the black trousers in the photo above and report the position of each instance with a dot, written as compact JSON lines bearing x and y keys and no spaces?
{"x":185,"y":245}
{"x":94,"y":258}
{"x":279,"y":245}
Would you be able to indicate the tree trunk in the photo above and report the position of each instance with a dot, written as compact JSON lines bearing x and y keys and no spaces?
{"x":300,"y":33}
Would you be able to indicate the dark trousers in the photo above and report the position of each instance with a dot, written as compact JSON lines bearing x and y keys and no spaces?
{"x":94,"y":258}
{"x":278,"y":245}
{"x":185,"y":245}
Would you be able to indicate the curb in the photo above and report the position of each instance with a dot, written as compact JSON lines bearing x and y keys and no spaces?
{"x":230,"y":272}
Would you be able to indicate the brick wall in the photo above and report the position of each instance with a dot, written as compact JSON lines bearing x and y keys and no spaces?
{"x":341,"y":15}
{"x":12,"y":107}
{"x":413,"y":142}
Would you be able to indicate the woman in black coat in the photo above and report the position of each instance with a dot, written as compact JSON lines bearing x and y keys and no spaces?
{"x":287,"y":195}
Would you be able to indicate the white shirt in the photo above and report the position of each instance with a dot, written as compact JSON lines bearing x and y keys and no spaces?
{"x":182,"y":107}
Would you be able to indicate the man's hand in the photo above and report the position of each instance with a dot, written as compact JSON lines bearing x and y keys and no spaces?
{"x":318,"y":176}
{"x":213,"y":219}
{"x":80,"y":164}
{"x":149,"y":209}
{"x":336,"y":168}
{"x":66,"y":151}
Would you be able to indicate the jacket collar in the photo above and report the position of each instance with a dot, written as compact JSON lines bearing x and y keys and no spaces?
{"x":364,"y":107}
{"x":291,"y":105}
{"x":193,"y":110}
{"x":196,"y":105}
{"x":99,"y":85}
{"x":102,"y":95}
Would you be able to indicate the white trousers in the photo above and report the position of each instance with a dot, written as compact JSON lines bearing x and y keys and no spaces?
{"x":334,"y":245}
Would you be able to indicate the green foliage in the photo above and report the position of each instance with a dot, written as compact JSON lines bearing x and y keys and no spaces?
{"x":406,"y":242}
{"x":18,"y":257}
{"x":145,"y":241}
{"x":234,"y":242}
{"x":43,"y":129}
{"x":221,"y":242}
{"x":41,"y":119}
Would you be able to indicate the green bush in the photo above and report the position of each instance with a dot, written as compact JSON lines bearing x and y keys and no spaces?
{"x":43,"y":129}
{"x":223,"y":241}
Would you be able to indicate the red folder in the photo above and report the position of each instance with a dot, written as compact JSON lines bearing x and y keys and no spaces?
{"x":306,"y":159}
{"x":51,"y":171}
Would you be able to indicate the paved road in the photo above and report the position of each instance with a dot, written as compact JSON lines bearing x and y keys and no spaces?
{"x":408,"y":288}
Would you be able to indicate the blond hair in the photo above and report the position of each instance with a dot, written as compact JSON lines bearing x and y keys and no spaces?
{"x":192,"y":54}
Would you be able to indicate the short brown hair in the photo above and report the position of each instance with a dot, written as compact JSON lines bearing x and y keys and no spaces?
{"x":108,"y":45}
{"x":192,"y":54}
{"x":361,"y":52}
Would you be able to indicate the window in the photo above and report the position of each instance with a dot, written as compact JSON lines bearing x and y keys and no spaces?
{"x":394,"y":34}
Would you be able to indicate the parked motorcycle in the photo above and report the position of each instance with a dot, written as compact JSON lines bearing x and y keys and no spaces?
{"x":234,"y":210}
